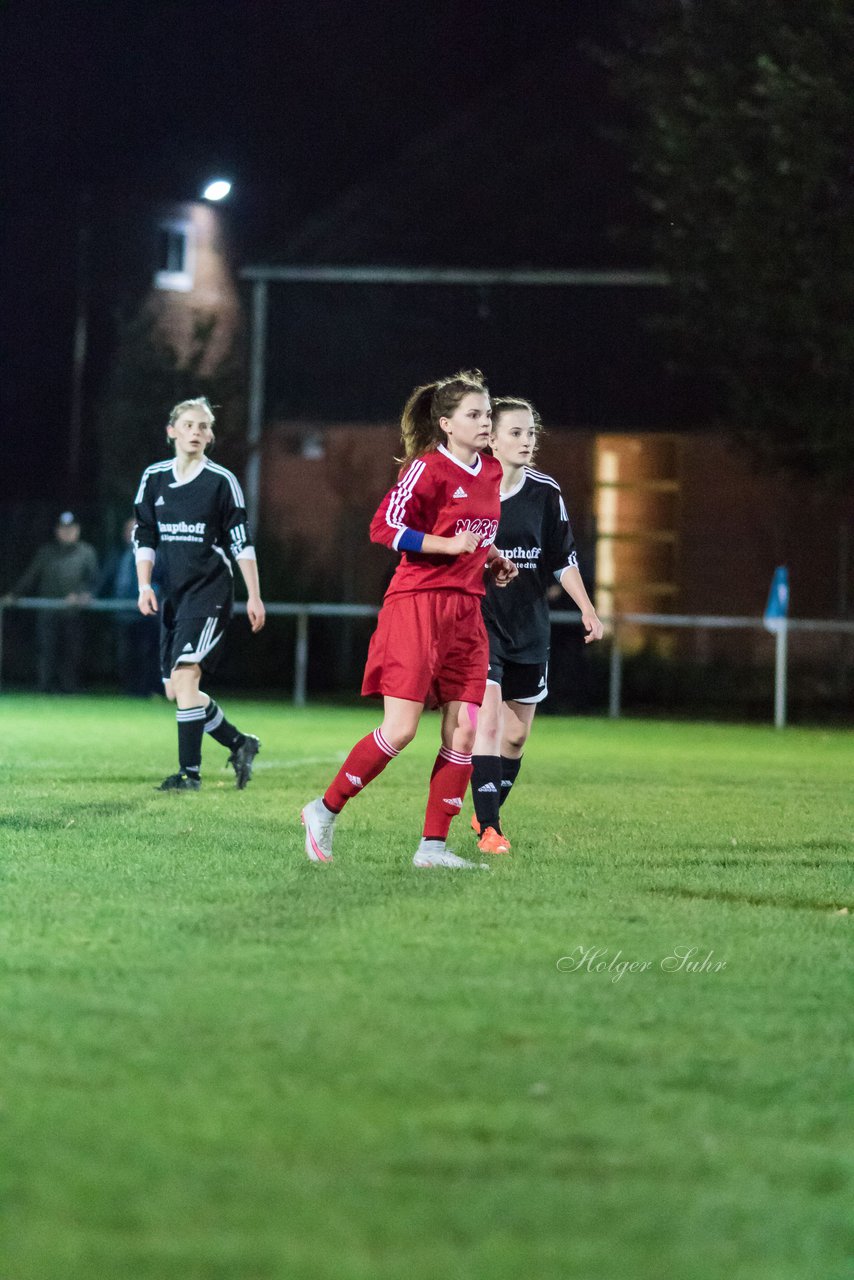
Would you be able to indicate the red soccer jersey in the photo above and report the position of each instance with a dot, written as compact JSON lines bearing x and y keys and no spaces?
{"x":438,"y":494}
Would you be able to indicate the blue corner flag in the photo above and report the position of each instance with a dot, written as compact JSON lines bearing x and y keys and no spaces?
{"x":777,"y":607}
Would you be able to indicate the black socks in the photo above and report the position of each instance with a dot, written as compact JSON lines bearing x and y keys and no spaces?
{"x":509,"y":774}
{"x":191,"y":728}
{"x":491,"y":780}
{"x":193,"y":724}
{"x":220,"y":729}
{"x":486,"y":789}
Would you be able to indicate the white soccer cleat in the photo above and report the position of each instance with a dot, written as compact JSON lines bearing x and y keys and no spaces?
{"x":432,"y":853}
{"x":319,"y":826}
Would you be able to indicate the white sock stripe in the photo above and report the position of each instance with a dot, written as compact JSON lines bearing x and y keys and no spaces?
{"x":193,"y":713}
{"x":383,"y":745}
{"x":455,"y":757}
{"x":215,"y":722}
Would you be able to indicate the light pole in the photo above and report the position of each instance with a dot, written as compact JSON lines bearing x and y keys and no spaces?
{"x":81,"y":338}
{"x":214,"y":190}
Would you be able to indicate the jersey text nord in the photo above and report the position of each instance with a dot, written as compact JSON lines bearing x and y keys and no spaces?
{"x":483,"y":529}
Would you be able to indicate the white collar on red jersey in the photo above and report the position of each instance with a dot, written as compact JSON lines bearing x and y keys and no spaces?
{"x":472,"y":470}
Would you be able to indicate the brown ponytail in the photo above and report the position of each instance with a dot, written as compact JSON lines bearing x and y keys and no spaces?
{"x":419,"y":422}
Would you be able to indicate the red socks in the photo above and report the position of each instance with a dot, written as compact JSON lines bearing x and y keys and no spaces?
{"x":448,"y":784}
{"x":364,"y":763}
{"x":448,"y":781}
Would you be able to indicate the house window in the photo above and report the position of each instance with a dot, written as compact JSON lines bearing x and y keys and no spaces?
{"x":637,"y":497}
{"x":175,"y":257}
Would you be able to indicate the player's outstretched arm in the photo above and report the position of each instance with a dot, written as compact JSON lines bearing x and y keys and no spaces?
{"x":255,"y":610}
{"x":572,"y":584}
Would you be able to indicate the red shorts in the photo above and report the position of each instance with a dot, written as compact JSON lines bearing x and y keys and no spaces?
{"x":429,"y":647}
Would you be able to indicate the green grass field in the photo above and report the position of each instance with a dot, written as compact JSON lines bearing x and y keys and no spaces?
{"x":222,"y":1062}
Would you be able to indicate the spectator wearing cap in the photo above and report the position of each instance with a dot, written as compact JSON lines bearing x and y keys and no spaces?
{"x":63,"y":569}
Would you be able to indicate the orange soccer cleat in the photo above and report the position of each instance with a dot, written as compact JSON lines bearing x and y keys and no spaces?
{"x":491,"y":841}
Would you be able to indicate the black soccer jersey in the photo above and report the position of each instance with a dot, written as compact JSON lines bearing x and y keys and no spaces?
{"x":195,"y":527}
{"x":534,"y":532}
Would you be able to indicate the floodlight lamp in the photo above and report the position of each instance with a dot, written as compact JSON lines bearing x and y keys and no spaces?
{"x":217,"y":189}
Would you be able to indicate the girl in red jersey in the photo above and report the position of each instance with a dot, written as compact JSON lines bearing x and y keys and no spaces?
{"x":430,"y":645}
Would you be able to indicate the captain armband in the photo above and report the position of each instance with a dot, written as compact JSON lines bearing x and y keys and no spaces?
{"x":409,"y":540}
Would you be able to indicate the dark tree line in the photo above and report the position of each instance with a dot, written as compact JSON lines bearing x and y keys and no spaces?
{"x":743,"y":150}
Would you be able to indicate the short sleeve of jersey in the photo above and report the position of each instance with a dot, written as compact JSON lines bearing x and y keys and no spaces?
{"x":559,"y":542}
{"x":409,"y":505}
{"x":233,"y":515}
{"x":145,"y":530}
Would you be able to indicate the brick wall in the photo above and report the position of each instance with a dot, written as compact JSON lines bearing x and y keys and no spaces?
{"x":733,"y":526}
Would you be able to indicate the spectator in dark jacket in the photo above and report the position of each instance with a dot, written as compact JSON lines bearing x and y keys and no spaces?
{"x":65,"y":569}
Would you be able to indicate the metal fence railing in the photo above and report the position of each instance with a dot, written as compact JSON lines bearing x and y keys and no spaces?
{"x":781,"y":628}
{"x":303,"y":613}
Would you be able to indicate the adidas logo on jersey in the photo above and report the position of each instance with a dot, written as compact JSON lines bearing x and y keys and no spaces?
{"x":542,"y":682}
{"x":161,"y":501}
{"x":188,"y":648}
{"x":356,"y":781}
{"x":455,"y":802}
{"x":461,"y":493}
{"x":489,"y":787}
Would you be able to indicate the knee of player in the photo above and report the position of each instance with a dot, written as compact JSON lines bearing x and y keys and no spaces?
{"x":516,"y":739}
{"x":464,"y":739}
{"x":399,"y":737}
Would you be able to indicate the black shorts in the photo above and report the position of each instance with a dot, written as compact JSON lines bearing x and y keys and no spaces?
{"x":186,"y":640}
{"x":518,"y":681}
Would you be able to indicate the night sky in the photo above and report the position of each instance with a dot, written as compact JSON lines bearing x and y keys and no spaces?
{"x":301,"y":104}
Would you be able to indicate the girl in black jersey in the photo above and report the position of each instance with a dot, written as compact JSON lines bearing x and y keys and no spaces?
{"x":535,"y":534}
{"x":191,"y":515}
